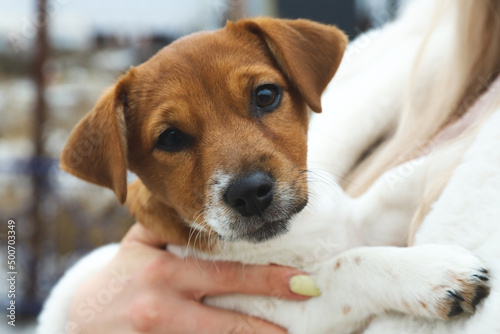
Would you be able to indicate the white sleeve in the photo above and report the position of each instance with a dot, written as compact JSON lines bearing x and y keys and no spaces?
{"x":53,"y":318}
{"x":363,"y":103}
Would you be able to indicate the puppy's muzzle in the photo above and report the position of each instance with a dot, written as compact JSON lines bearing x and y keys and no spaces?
{"x":253,"y":206}
{"x":250,"y":194}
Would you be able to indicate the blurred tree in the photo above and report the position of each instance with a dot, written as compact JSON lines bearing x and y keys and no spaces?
{"x":38,"y":175}
{"x":236,"y":9}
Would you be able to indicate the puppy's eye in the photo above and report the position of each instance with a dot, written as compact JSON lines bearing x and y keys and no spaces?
{"x":267,"y":97}
{"x":172,"y":140}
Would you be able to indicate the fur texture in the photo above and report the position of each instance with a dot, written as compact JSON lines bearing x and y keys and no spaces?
{"x":452,"y":249}
{"x":203,"y":87}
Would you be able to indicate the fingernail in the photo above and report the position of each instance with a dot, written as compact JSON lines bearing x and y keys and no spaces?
{"x":304,"y":285}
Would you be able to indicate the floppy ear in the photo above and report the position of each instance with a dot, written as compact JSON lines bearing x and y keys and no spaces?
{"x":307,"y":52}
{"x":96,"y":150}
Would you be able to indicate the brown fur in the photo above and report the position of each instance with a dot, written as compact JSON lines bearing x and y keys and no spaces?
{"x":201,"y":84}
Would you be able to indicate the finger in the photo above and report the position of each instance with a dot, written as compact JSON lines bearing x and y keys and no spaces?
{"x":222,"y":321}
{"x":193,"y":318}
{"x":138,"y":233}
{"x":208,"y":278}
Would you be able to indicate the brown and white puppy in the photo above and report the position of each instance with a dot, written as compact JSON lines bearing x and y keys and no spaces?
{"x":215,"y":127}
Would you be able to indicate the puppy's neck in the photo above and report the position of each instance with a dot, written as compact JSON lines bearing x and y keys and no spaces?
{"x":164,"y":221}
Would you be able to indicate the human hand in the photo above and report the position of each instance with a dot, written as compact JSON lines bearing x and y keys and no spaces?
{"x":160,"y":293}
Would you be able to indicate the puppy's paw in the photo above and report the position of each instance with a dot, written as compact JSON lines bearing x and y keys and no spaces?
{"x":464,"y":293}
{"x":460,"y":282}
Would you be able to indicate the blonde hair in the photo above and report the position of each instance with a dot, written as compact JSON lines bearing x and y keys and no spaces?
{"x":475,"y":62}
{"x":451,"y":152}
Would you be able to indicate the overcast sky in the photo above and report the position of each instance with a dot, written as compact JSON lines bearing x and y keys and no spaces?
{"x":73,"y":22}
{"x":128,"y":16}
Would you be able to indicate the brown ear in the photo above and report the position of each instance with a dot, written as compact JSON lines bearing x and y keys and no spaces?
{"x":96,"y":150}
{"x":307,"y":52}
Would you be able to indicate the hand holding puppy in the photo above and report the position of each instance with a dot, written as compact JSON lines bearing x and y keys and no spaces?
{"x":164,"y":292}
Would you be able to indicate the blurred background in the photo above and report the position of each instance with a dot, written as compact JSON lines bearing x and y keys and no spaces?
{"x":56,"y":57}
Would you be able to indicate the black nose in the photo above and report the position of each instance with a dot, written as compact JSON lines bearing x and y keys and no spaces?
{"x":250,"y":194}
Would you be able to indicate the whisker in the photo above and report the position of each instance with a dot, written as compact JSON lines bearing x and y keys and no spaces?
{"x":211,"y":253}
{"x":197,"y":261}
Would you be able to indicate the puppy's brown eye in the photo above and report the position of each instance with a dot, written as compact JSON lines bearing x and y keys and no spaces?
{"x":267,"y":97}
{"x":172,"y":140}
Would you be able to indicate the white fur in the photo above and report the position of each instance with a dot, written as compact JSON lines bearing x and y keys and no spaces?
{"x":467,"y":214}
{"x":215,"y":212}
{"x":459,"y":236}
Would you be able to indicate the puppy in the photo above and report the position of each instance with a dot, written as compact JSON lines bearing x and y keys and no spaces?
{"x":215,"y":127}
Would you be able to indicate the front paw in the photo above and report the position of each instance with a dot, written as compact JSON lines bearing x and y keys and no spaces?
{"x":448,"y":281}
{"x":464,"y":293}
{"x":460,"y":281}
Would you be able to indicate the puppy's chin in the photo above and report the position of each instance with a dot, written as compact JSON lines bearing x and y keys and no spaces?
{"x":264,"y":233}
{"x":263,"y":230}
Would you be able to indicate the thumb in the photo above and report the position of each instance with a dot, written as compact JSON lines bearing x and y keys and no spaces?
{"x":139,"y":234}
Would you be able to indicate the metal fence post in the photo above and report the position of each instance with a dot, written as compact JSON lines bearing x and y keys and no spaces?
{"x":37,"y":174}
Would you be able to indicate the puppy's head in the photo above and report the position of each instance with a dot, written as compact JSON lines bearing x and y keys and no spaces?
{"x":215,"y":127}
